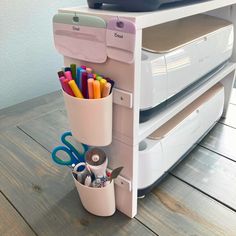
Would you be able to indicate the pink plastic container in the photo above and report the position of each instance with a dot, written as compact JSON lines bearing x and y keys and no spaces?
{"x":90,"y":120}
{"x":98,"y":201}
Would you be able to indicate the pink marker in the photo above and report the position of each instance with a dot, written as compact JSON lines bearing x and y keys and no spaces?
{"x":68,"y":75}
{"x":83,"y":67}
{"x":67,"y":88}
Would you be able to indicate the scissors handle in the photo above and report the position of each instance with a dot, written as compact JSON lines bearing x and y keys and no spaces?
{"x":79,"y":155}
{"x":72,"y":159}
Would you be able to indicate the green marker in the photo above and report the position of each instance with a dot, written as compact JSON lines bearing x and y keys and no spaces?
{"x":98,"y":77}
{"x":73,"y":70}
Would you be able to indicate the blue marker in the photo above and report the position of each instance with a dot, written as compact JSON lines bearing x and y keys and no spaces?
{"x":78,"y":79}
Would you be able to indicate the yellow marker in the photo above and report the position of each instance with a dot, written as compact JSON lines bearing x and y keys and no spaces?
{"x":96,"y":89}
{"x":102,"y":84}
{"x":75,"y":89}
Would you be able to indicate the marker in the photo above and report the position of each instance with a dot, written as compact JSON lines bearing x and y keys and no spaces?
{"x":102,"y":83}
{"x":84,"y":81}
{"x":106,"y":90}
{"x":60,"y":74}
{"x":83,"y":67}
{"x":90,"y":88}
{"x":80,"y":81}
{"x":90,"y":75}
{"x":96,"y":89}
{"x":79,"y":76}
{"x":98,"y":77}
{"x":75,"y":89}
{"x":73,"y":70}
{"x":61,"y":81}
{"x":88,"y":70}
{"x":66,"y":87}
{"x":111,"y":82}
{"x":94,"y":76}
{"x":68,"y":75}
{"x":67,"y":69}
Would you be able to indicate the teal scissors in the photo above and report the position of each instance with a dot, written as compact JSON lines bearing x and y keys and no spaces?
{"x":75,"y":156}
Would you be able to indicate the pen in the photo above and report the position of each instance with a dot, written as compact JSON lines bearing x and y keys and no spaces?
{"x":102,"y":83}
{"x":84,"y":81}
{"x":96,"y":89}
{"x":88,"y":70}
{"x":111,"y":82}
{"x":68,"y":75}
{"x":67,"y":69}
{"x":90,"y":88}
{"x":83,"y":67}
{"x":75,"y":89}
{"x":60,"y":74}
{"x":66,"y":87}
{"x":106,"y":90}
{"x":73,"y":70}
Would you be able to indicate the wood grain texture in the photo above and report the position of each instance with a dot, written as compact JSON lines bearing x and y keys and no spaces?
{"x":230,"y":119}
{"x":221,"y":139}
{"x":175,"y":208}
{"x":47,"y":129}
{"x":11,"y":223}
{"x":45,"y":193}
{"x":28,"y":110}
{"x":211,"y":173}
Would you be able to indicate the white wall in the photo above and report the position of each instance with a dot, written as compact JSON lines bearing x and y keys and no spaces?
{"x":28,"y":59}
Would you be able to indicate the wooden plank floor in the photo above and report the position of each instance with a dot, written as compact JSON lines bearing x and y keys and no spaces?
{"x":39,"y":198}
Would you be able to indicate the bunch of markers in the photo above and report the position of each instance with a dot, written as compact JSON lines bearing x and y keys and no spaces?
{"x":81,"y":82}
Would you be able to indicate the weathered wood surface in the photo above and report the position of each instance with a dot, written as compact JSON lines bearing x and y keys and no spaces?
{"x":11,"y":223}
{"x":221,"y":139}
{"x":45,"y":195}
{"x":211,"y":173}
{"x":30,"y":109}
{"x":175,"y":208}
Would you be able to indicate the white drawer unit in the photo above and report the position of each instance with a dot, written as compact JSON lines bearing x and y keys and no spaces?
{"x":164,"y":147}
{"x":176,"y":54}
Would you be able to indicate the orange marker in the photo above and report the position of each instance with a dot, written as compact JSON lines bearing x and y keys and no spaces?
{"x":75,"y":89}
{"x":106,"y":90}
{"x":96,"y":89}
{"x":90,"y":88}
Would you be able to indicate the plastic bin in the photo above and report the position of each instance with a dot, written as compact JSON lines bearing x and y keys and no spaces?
{"x":90,"y":120}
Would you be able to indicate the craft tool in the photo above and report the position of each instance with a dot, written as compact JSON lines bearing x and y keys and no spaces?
{"x":90,"y":75}
{"x":111,"y":82}
{"x":97,"y":162}
{"x":106,"y":90}
{"x":84,"y":86}
{"x":73,"y":70}
{"x":83,"y":67}
{"x":66,"y":87}
{"x":98,"y":77}
{"x":80,"y":81}
{"x":67,"y":69}
{"x":68,"y":75}
{"x":88,"y":70}
{"x":96,"y":89}
{"x":90,"y":88}
{"x":60,"y":74}
{"x":75,"y":89}
{"x":94,"y":76}
{"x":74,"y":156}
{"x":83,"y":175}
{"x":102,"y":83}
